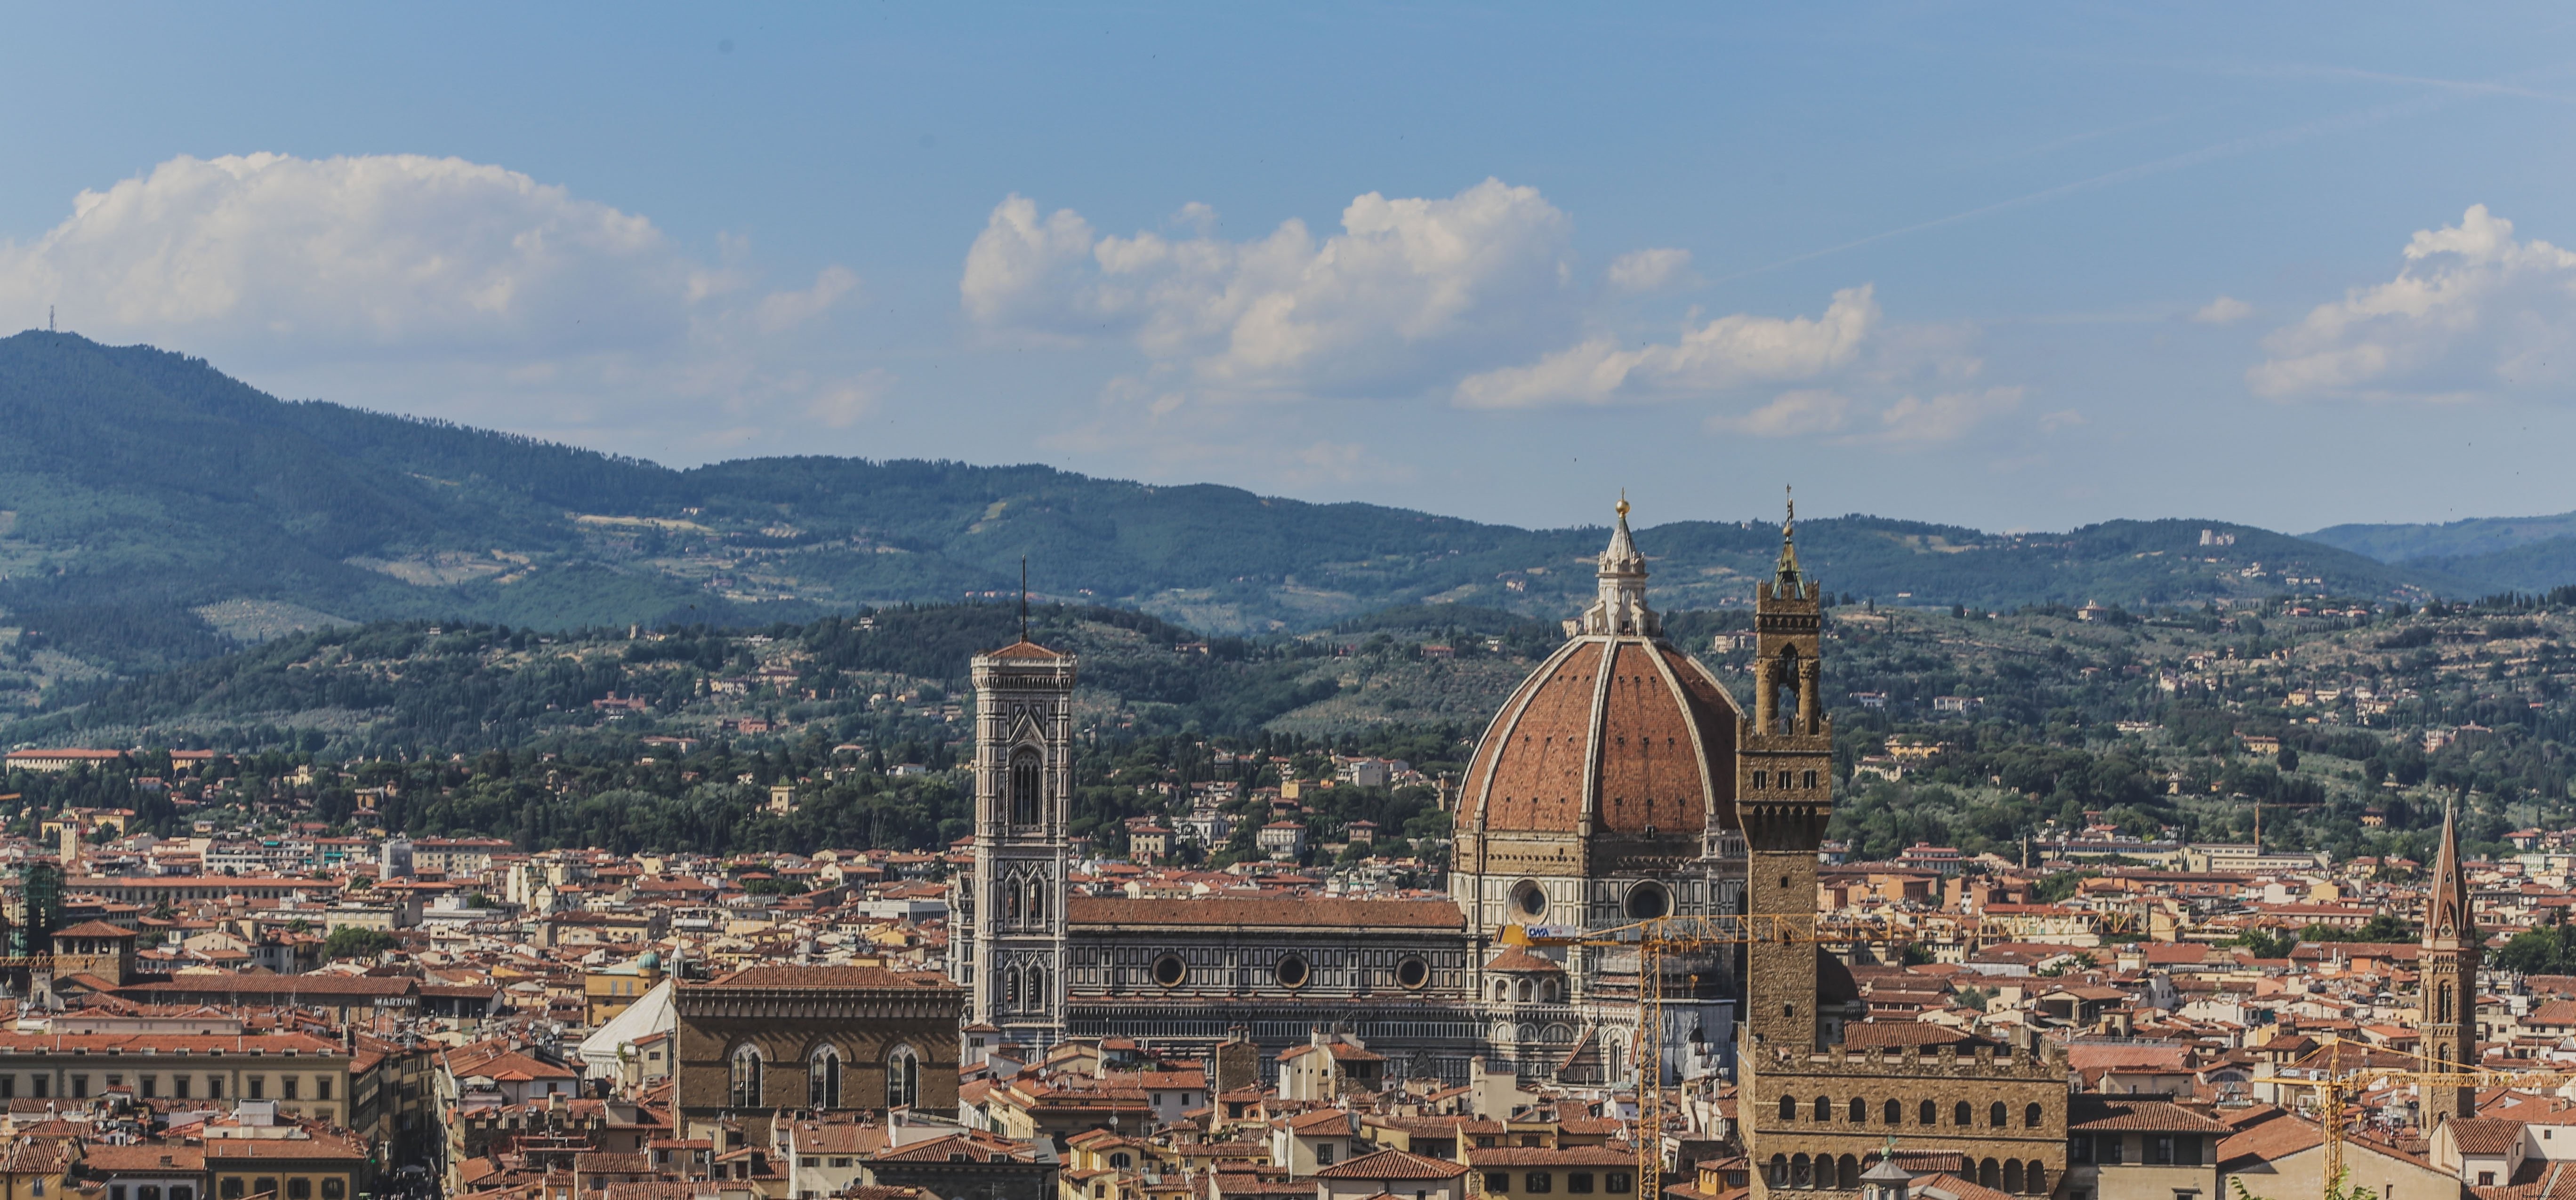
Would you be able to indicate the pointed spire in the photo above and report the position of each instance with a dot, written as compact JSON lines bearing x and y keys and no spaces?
{"x":1788,"y":543}
{"x":2447,"y":915}
{"x":1024,"y":597}
{"x":1621,"y":557}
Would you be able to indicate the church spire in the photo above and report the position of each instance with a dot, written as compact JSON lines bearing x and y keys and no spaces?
{"x":1620,"y":605}
{"x":2447,"y":914}
{"x":2447,"y":976}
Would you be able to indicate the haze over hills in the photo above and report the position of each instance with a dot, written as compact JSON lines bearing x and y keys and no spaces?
{"x":154,"y":511}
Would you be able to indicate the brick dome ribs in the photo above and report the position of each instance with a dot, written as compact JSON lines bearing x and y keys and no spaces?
{"x":1619,"y":749}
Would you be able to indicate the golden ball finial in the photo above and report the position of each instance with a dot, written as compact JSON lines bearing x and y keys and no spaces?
{"x":1623,"y":504}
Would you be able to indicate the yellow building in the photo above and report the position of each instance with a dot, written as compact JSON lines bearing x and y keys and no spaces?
{"x":612,"y":990}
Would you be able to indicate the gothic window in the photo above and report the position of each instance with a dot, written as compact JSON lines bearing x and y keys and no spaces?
{"x":1995,"y":1115}
{"x":823,"y":1079}
{"x":1788,"y":1108}
{"x":1037,"y":900}
{"x":1894,"y":1112}
{"x":1037,"y":993}
{"x":745,"y":1082}
{"x":1824,"y":1109}
{"x":1011,"y":990}
{"x":903,"y":1078}
{"x":1787,"y":705}
{"x":1926,"y":1114}
{"x":1761,"y":780}
{"x":1011,"y":900}
{"x":1024,"y":787}
{"x":2444,"y":1016}
{"x":1960,"y":1115}
{"x":1859,"y":1111}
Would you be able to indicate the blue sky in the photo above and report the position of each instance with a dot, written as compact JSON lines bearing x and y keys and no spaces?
{"x":2016,"y":266}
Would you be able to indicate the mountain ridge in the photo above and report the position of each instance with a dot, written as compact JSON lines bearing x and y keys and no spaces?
{"x":145,"y":497}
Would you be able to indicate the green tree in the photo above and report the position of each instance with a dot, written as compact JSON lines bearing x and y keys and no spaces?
{"x":351,"y":941}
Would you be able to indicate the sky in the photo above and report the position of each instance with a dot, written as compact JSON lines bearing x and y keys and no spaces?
{"x":2014,"y":266}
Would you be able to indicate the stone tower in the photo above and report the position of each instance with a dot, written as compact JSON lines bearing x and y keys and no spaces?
{"x":1014,"y":901}
{"x":2450,"y":980}
{"x":1784,"y":796}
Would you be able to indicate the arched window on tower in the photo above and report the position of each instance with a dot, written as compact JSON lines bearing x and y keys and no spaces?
{"x":1011,"y":900}
{"x":823,"y":1079}
{"x":1037,"y":900}
{"x":1011,"y":990}
{"x":1025,"y":777}
{"x":745,"y":1082}
{"x":1037,"y":993}
{"x":903,"y":1078}
{"x":2443,"y":1006}
{"x":1785,"y":689}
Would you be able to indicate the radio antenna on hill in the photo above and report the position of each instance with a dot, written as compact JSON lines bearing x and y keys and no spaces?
{"x":49,"y":318}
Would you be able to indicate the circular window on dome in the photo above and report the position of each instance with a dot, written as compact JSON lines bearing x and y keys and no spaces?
{"x":1647,"y":901}
{"x":1291,"y":972}
{"x":1412,"y":972}
{"x":1530,"y":900}
{"x":1169,"y":970}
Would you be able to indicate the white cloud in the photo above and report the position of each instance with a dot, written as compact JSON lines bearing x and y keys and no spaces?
{"x":2472,"y":312}
{"x":1727,"y":352}
{"x":1792,"y":414}
{"x":1647,"y":270}
{"x":501,"y":299}
{"x":1944,"y":417}
{"x":1407,"y":291}
{"x":783,"y":311}
{"x":2223,"y":310}
{"x":844,"y":403}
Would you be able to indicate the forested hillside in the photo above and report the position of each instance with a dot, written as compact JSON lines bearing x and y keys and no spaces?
{"x":154,"y":511}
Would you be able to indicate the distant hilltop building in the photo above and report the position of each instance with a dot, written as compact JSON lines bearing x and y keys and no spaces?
{"x":2212,"y":537}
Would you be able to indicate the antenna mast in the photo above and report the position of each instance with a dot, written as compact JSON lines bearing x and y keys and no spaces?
{"x":1024,"y":597}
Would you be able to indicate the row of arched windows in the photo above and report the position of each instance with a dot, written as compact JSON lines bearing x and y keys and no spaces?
{"x":1526,"y":991}
{"x":822,"y":1078}
{"x":1023,"y":899}
{"x":1892,"y":1112}
{"x":1024,"y":990}
{"x":1825,"y":1172}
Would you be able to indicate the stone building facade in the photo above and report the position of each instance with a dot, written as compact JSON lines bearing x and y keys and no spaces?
{"x":783,"y":1038}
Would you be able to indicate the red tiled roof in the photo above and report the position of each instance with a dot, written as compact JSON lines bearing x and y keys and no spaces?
{"x":1025,"y":649}
{"x":2105,"y":1114}
{"x":832,"y":978}
{"x":1393,"y":1164}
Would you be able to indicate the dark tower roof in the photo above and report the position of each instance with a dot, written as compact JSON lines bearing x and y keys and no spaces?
{"x":2447,"y":914}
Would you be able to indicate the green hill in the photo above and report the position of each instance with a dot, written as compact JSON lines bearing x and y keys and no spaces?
{"x":154,"y":511}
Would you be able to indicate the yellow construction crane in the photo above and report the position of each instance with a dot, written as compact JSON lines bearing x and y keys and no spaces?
{"x":2335,"y":1089}
{"x":1660,"y":938}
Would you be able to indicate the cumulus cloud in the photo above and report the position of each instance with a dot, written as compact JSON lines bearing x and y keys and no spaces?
{"x":1793,"y":413}
{"x":1724,"y":353}
{"x":2471,"y":312}
{"x":1944,"y":417}
{"x":489,"y":282}
{"x":1408,"y":289}
{"x":2222,"y":311}
{"x":1647,"y":270}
